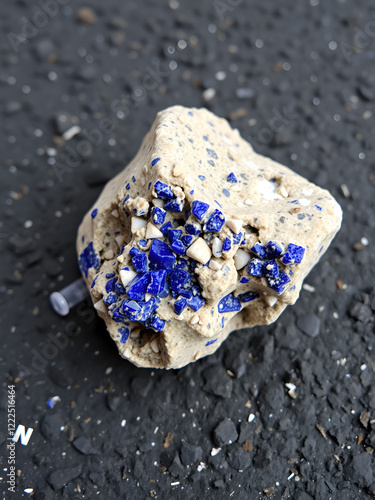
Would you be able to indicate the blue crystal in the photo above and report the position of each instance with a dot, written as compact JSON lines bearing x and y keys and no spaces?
{"x":124,"y":332}
{"x":231,"y":178}
{"x":109,"y":275}
{"x":178,"y":247}
{"x":142,"y":242}
{"x":227,"y":245}
{"x":270,"y":269}
{"x":229,"y":303}
{"x":248,"y":296}
{"x":259,"y":250}
{"x":226,"y":192}
{"x":165,"y":292}
{"x":255,"y":268}
{"x":134,"y":251}
{"x":147,"y":308}
{"x":188,"y":294}
{"x":193,"y":229}
{"x":88,"y":258}
{"x":111,"y":298}
{"x":118,"y":316}
{"x":237,"y":238}
{"x":293,"y":255}
{"x":120,"y":289}
{"x":164,"y":229}
{"x":158,"y":215}
{"x":199,"y":209}
{"x":273,"y":250}
{"x":174,"y":234}
{"x":187,"y":239}
{"x":94,"y":213}
{"x":163,"y":191}
{"x":154,"y":161}
{"x":131,"y":309}
{"x":211,"y":341}
{"x":180,"y":305}
{"x":180,"y":280}
{"x":215,"y":222}
{"x":157,"y":323}
{"x":278,"y":284}
{"x":157,"y":282}
{"x":110,"y":285}
{"x":161,"y":256}
{"x":137,"y":288}
{"x":175,"y":205}
{"x":140,"y":263}
{"x":244,"y":279}
{"x":196,"y":302}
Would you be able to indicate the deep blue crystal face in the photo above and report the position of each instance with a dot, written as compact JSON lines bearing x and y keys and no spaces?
{"x":293,"y":255}
{"x":255,"y":268}
{"x":111,"y":298}
{"x":180,"y":280}
{"x":229,"y":303}
{"x":88,"y":259}
{"x":259,"y":250}
{"x":248,"y":296}
{"x":140,"y":263}
{"x":110,"y":285}
{"x":157,"y":323}
{"x":166,"y":227}
{"x":232,"y":178}
{"x":157,"y":280}
{"x":178,"y":247}
{"x":137,"y":288}
{"x":161,"y":256}
{"x":214,"y":222}
{"x":193,"y":229}
{"x":124,"y":332}
{"x":163,"y":191}
{"x":187,"y":239}
{"x":196,"y":302}
{"x":199,"y":209}
{"x":175,"y":205}
{"x":158,"y":215}
{"x":227,"y":245}
{"x":237,"y":238}
{"x":134,"y":251}
{"x":278,"y":284}
{"x":180,"y":305}
{"x":273,"y":250}
{"x":270,"y":269}
{"x":174,"y":234}
{"x":131,"y":309}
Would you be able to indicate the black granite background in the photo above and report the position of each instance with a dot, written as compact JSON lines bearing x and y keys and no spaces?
{"x":297,"y":79}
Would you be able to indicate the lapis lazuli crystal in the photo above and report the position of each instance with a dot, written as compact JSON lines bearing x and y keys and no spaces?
{"x":88,"y":258}
{"x":193,"y":229}
{"x":178,"y":247}
{"x":255,"y":268}
{"x":137,"y":288}
{"x":180,"y":280}
{"x":180,"y":305}
{"x":187,"y":239}
{"x":259,"y":250}
{"x":157,"y":282}
{"x":214,"y":222}
{"x":229,"y":303}
{"x":175,"y":205}
{"x":232,"y":178}
{"x":161,"y":256}
{"x":227,"y":245}
{"x":166,"y":227}
{"x":293,"y":255}
{"x":140,"y":263}
{"x":158,"y":215}
{"x":278,"y":284}
{"x":199,"y":209}
{"x":157,"y":323}
{"x":248,"y":296}
{"x":124,"y":332}
{"x":174,"y":234}
{"x":163,"y":191}
{"x":270,"y":269}
{"x":273,"y":250}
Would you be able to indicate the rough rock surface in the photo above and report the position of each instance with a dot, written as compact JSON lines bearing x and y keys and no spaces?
{"x":199,"y":236}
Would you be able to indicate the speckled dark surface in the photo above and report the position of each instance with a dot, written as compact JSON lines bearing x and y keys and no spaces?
{"x":297,"y":79}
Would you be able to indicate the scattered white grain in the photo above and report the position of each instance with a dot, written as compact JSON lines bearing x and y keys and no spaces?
{"x":71,"y":132}
{"x":199,"y":251}
{"x":308,"y":288}
{"x":241,"y":258}
{"x":127,"y":276}
{"x":235,"y":225}
{"x":153,"y":232}
{"x":137,"y":224}
{"x":100,"y":306}
{"x":217,"y":245}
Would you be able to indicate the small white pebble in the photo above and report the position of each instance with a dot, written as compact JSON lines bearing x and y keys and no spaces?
{"x":120,"y":239}
{"x":217,"y":245}
{"x":153,"y":232}
{"x":123,"y":423}
{"x":137,"y":224}
{"x":308,"y":288}
{"x":335,"y":315}
{"x":100,"y":306}
{"x":158,"y":203}
{"x":155,"y":346}
{"x":28,"y":490}
{"x":363,"y":367}
{"x":235,"y":225}
{"x":208,"y":94}
{"x":214,"y":265}
{"x":127,"y":276}
{"x":248,"y":202}
{"x":241,"y":258}
{"x":364,"y":241}
{"x":215,"y":451}
{"x":345,"y":190}
{"x":114,"y":213}
{"x":71,"y":132}
{"x":283,"y":192}
{"x":108,"y":370}
{"x":127,"y":352}
{"x":251,"y":417}
{"x":199,"y":251}
{"x":270,"y":299}
{"x":194,"y":320}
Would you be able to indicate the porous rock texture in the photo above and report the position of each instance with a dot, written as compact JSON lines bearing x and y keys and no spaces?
{"x":199,"y":236}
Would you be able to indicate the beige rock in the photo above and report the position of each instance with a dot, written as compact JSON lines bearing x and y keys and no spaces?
{"x":192,"y":152}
